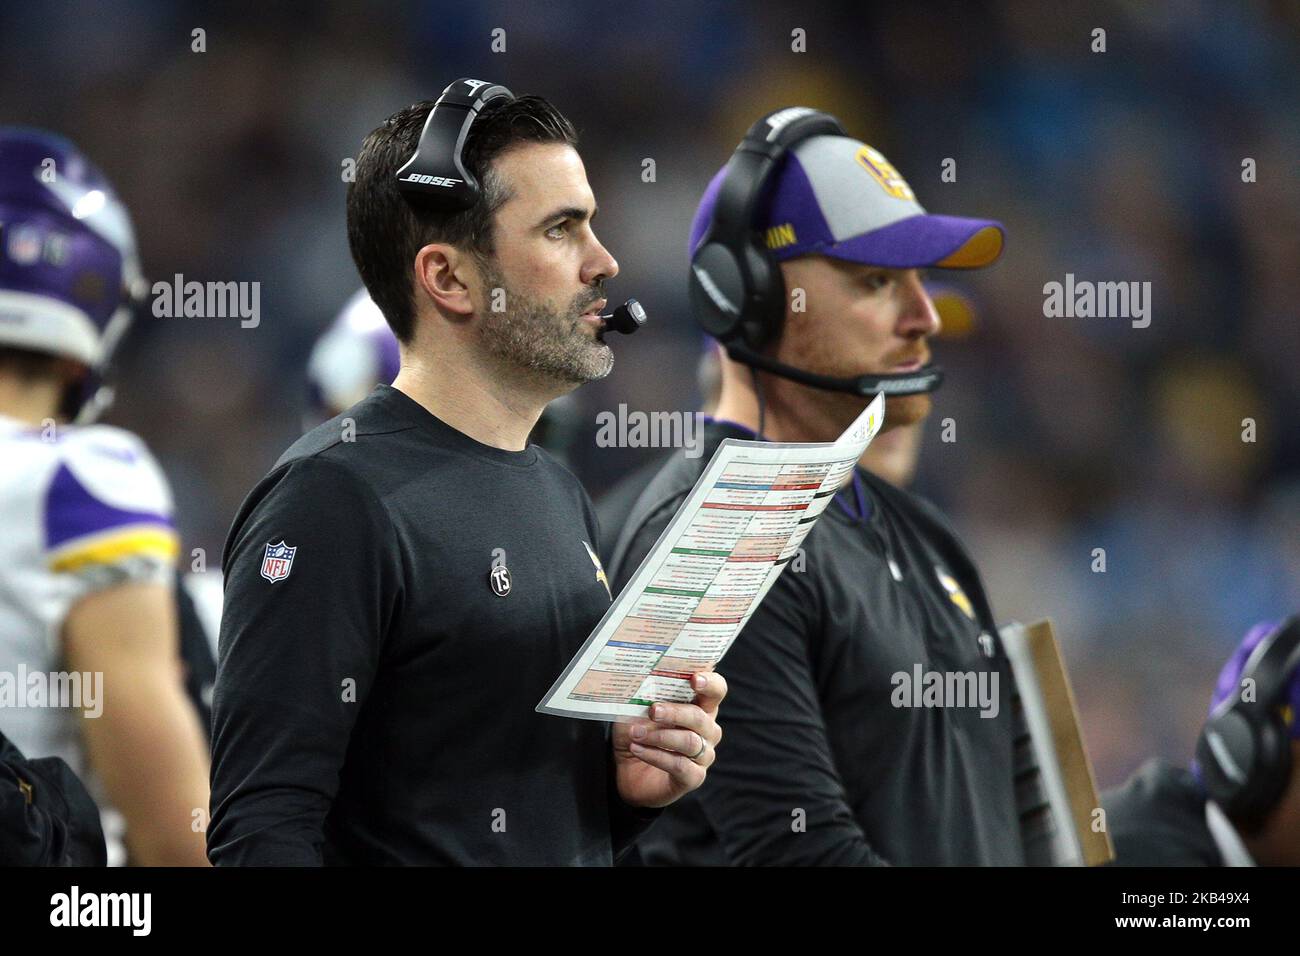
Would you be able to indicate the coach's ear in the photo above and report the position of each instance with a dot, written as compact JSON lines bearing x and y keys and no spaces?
{"x":441,"y":271}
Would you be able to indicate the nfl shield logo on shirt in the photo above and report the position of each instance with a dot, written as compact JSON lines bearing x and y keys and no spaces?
{"x":278,"y":562}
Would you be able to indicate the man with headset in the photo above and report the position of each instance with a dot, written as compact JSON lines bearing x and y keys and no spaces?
{"x":408,"y":580}
{"x":806,"y":251}
{"x":1240,"y":803}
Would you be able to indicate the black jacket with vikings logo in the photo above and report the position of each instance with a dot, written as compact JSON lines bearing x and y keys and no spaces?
{"x":395,"y":607}
{"x":818,"y":765}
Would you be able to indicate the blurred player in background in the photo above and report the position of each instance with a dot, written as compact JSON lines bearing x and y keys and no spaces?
{"x":1240,"y":803}
{"x":88,"y":555}
{"x":354,"y":354}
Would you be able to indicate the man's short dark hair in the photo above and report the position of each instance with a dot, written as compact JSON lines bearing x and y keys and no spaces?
{"x":385,"y":231}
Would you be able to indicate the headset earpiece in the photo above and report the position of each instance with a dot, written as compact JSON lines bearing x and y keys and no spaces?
{"x":735,"y":281}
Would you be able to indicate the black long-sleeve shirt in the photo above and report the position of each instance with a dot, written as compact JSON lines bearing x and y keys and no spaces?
{"x":376,"y":686}
{"x":818,"y":766}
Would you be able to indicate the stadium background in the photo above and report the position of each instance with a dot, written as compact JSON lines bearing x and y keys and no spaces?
{"x":1072,"y":434}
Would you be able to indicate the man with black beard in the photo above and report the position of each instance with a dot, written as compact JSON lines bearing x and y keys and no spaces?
{"x":408,"y":580}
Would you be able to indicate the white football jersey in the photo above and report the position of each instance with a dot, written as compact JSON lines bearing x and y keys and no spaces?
{"x":81,"y":509}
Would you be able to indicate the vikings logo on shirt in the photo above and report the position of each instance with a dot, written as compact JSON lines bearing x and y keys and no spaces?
{"x":600,"y":569}
{"x":278,"y":561}
{"x":955,"y":593}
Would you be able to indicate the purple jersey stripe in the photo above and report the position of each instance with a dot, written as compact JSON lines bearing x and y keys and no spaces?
{"x":73,"y":512}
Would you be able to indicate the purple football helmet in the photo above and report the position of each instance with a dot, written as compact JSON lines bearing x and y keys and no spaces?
{"x":69,"y":271}
{"x":356,"y":353}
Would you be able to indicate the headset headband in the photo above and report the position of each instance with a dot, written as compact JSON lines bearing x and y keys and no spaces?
{"x":750,"y":169}
{"x":436,"y":172}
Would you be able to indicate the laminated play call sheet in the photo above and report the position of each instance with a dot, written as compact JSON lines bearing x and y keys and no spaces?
{"x":742,"y":523}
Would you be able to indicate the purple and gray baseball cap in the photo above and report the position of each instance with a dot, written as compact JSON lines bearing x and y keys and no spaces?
{"x":835,"y":196}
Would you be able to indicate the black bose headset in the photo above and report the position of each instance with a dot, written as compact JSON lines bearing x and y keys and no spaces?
{"x":737,"y":292}
{"x":1244,"y":751}
{"x":436,"y":172}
